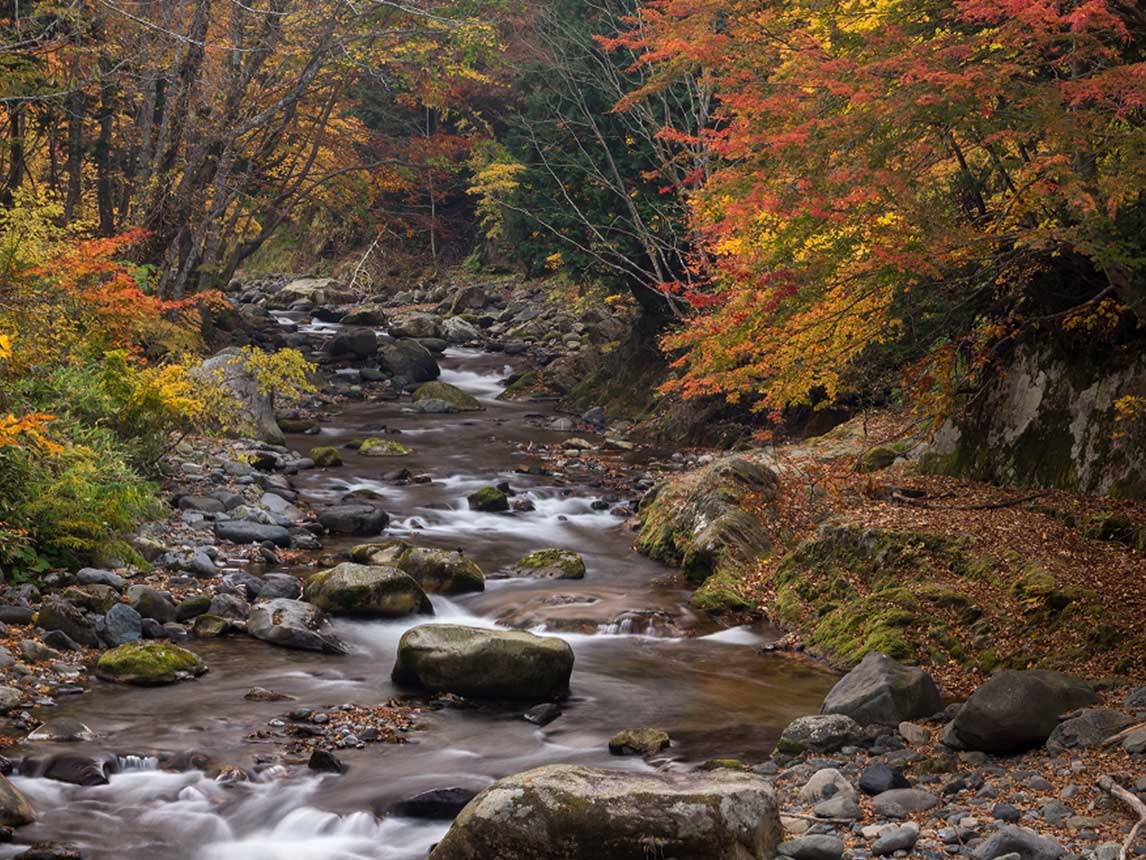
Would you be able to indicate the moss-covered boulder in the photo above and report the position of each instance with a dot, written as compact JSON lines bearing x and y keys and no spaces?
{"x":488,"y":500}
{"x":451,"y":394}
{"x":579,"y":813}
{"x":475,"y":661}
{"x":366,"y":591}
{"x":438,"y":571}
{"x":550,"y":564}
{"x":149,"y":664}
{"x":643,"y":742}
{"x":376,"y":447}
{"x":325,"y":457}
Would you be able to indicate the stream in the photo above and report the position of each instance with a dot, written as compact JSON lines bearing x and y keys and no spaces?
{"x":642,"y":659}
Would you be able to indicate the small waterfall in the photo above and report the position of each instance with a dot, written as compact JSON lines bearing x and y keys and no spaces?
{"x":126,"y":763}
{"x":642,"y":622}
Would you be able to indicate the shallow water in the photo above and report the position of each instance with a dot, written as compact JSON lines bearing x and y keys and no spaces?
{"x":642,"y":658}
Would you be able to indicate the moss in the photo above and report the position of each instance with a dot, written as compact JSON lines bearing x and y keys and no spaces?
{"x":523,"y":387}
{"x":297,"y":425}
{"x":450,"y":394}
{"x":878,"y":458}
{"x":375,"y":447}
{"x":489,"y":500}
{"x":1037,"y":591}
{"x":718,"y":594}
{"x":148,"y":664}
{"x":564,"y":560}
{"x":325,"y":457}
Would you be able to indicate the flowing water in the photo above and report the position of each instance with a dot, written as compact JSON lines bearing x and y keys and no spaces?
{"x":642,"y":659}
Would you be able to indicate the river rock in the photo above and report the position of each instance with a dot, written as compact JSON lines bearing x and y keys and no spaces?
{"x":357,"y":343}
{"x":439,"y":571}
{"x":376,"y":447}
{"x":644,"y":742}
{"x":57,"y":614}
{"x":208,"y":626}
{"x":367,"y":591}
{"x":325,"y":761}
{"x":10,"y":699}
{"x":364,"y":520}
{"x":1027,"y":844}
{"x":92,"y":598}
{"x":293,"y":624}
{"x":1016,"y":710}
{"x":416,"y":325}
{"x":365,"y":315}
{"x":150,"y":603}
{"x":1089,"y":728}
{"x":96,"y":576}
{"x":68,"y":767}
{"x":121,"y":625}
{"x":473,"y":661}
{"x":149,"y":664}
{"x":488,"y":500}
{"x":817,"y":846}
{"x":882,"y":691}
{"x":408,"y":359}
{"x":279,"y":585}
{"x":15,"y":811}
{"x":458,"y":330}
{"x":192,"y":606}
{"x":822,"y":733}
{"x":325,"y":457}
{"x":550,"y":564}
{"x":900,"y":802}
{"x":230,"y":606}
{"x":438,"y":804}
{"x":451,"y":394}
{"x":568,"y":812}
{"x":244,"y":531}
{"x":879,"y":777}
{"x":256,"y":409}
{"x":824,"y":783}
{"x":901,"y":839}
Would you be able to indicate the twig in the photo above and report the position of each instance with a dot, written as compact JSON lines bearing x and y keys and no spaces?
{"x":991,"y":506}
{"x":1113,"y":739}
{"x":1107,"y":784}
{"x":805,"y":817}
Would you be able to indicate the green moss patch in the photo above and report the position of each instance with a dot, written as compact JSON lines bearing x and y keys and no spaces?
{"x":375,"y":447}
{"x":149,"y":664}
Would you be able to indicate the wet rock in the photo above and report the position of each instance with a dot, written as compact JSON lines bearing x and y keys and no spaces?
{"x":325,"y":761}
{"x":900,"y":802}
{"x":451,"y":394}
{"x":1089,"y":728}
{"x":580,"y":813}
{"x":471,"y":661}
{"x":70,"y":768}
{"x":488,"y":500}
{"x":813,"y":847}
{"x":643,"y":742}
{"x":878,"y":778}
{"x":365,"y":520}
{"x":293,"y":624}
{"x":121,"y":625}
{"x":262,"y":694}
{"x":543,"y":714}
{"x":208,"y":626}
{"x":149,"y":664}
{"x":883,"y":691}
{"x":244,"y":531}
{"x":367,"y":591}
{"x":1027,"y":844}
{"x":439,"y":571}
{"x":438,"y":804}
{"x":899,"y":839}
{"x":96,"y":576}
{"x":15,"y":811}
{"x":52,"y":851}
{"x":325,"y":457}
{"x":56,"y":614}
{"x":822,"y":733}
{"x":1016,"y":710}
{"x":550,"y":564}
{"x":408,"y":359}
{"x":63,"y":730}
{"x":276,"y":585}
{"x":192,"y":606}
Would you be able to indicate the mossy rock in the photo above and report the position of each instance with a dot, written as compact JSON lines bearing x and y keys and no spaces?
{"x":375,"y":447}
{"x":551,"y":564}
{"x":192,"y":607}
{"x":451,"y":394}
{"x":1038,"y":591}
{"x":94,"y":598}
{"x":718,"y":595}
{"x":643,"y":742}
{"x":149,"y":664}
{"x":325,"y":457}
{"x":438,"y":571}
{"x":488,"y":500}
{"x":297,"y":425}
{"x":207,"y":626}
{"x":524,"y":387}
{"x":367,"y":591}
{"x":878,"y":458}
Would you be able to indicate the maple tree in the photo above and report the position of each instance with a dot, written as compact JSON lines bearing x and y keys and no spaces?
{"x":928,"y":175}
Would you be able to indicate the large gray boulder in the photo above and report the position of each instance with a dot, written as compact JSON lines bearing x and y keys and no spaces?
{"x":568,"y":812}
{"x":474,"y":661}
{"x":367,"y":591}
{"x":408,"y":359}
{"x":317,"y":291}
{"x":1016,"y":710}
{"x":417,"y":325}
{"x":884,"y":692}
{"x":360,"y":520}
{"x":293,"y":624}
{"x":256,"y":409}
{"x":244,"y":531}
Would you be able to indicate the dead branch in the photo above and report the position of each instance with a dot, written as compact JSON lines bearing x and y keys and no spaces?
{"x":1107,"y":784}
{"x":1114,"y":739}
{"x":990,"y":506}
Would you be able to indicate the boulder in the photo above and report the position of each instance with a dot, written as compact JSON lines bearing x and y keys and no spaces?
{"x":416,"y":325}
{"x":409,"y":360}
{"x":367,"y":591}
{"x":438,"y":571}
{"x":550,"y":564}
{"x":822,"y":733}
{"x":150,"y":603}
{"x":473,"y":661}
{"x":316,"y":291}
{"x":1089,"y":728}
{"x":353,"y":343}
{"x":882,"y":691}
{"x":375,"y":447}
{"x":10,"y":699}
{"x":1016,"y":710}
{"x":361,"y":520}
{"x":149,"y":664}
{"x":488,"y":500}
{"x":279,"y":585}
{"x":458,"y":330}
{"x":879,"y":777}
{"x":438,"y":804}
{"x":15,"y":811}
{"x":644,"y":742}
{"x":293,"y":624}
{"x":365,"y":315}
{"x":96,"y":576}
{"x":817,"y":846}
{"x":256,"y":409}
{"x":451,"y":394}
{"x":243,"y":531}
{"x":92,"y":598}
{"x":57,"y":614}
{"x":325,"y":457}
{"x":901,"y":802}
{"x":209,"y":626}
{"x":568,"y":812}
{"x":1027,"y":844}
{"x":121,"y":625}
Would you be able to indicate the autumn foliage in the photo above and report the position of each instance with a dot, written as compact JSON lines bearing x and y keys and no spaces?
{"x":921,"y":179}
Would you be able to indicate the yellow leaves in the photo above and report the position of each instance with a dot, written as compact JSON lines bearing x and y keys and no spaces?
{"x":5,"y":346}
{"x":495,"y":181}
{"x":27,"y":429}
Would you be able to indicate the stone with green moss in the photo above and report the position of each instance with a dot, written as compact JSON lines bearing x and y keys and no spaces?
{"x":551,"y":564}
{"x":878,"y":458}
{"x":438,"y":571}
{"x":325,"y":457}
{"x":149,"y":664}
{"x":643,"y":742}
{"x":718,"y":595}
{"x":451,"y":394}
{"x":488,"y":500}
{"x":207,"y":626}
{"x":367,"y":591}
{"x":192,"y":607}
{"x":376,"y":447}
{"x":297,"y":425}
{"x":94,"y":598}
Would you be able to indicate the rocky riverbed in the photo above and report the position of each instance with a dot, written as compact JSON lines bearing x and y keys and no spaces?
{"x":416,"y":584}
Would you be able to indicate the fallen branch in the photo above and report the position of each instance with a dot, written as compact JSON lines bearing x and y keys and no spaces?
{"x":805,"y":817}
{"x":991,"y":506}
{"x":1116,"y":739}
{"x":1107,"y":784}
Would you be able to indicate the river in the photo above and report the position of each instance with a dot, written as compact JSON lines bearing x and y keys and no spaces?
{"x":713,"y":690}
